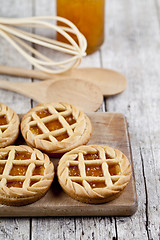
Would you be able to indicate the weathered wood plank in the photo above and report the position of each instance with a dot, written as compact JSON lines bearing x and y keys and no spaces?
{"x":73,"y":228}
{"x":9,"y":56}
{"x":133,"y":38}
{"x":15,"y":228}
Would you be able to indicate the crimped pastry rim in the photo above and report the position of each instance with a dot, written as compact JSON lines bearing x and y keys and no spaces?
{"x":92,"y":195}
{"x":10,"y":135}
{"x":25,"y":195}
{"x":73,"y":141}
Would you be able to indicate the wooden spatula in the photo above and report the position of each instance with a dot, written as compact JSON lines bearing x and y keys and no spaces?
{"x":80,"y":93}
{"x":110,"y":82}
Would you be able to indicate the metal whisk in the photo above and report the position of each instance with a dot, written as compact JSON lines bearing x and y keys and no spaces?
{"x":18,"y":37}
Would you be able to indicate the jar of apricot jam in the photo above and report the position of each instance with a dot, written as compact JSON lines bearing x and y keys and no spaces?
{"x":88,"y":16}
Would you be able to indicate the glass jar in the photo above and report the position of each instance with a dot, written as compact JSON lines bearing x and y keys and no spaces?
{"x":88,"y":16}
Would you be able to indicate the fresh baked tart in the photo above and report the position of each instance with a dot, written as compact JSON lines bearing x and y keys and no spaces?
{"x":25,"y":175}
{"x":94,"y":174}
{"x":9,"y":126}
{"x":56,"y":128}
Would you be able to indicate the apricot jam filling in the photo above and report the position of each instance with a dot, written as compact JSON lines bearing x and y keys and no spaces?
{"x":97,"y":184}
{"x":91,"y":156}
{"x":35,"y":130}
{"x":4,"y":157}
{"x":1,"y":169}
{"x":39,"y":170}
{"x":62,"y":136}
{"x":3,"y":120}
{"x":70,"y":119}
{"x":74,"y":171}
{"x":15,"y":184}
{"x":22,"y":155}
{"x":53,"y":125}
{"x":18,"y":170}
{"x":33,"y":182}
{"x":94,"y":170}
{"x":43,"y":113}
{"x":108,"y":156}
{"x":114,"y":169}
{"x":78,"y":182}
{"x":60,"y":110}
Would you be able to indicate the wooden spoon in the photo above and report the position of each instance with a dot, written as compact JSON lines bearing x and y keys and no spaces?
{"x":80,"y":93}
{"x":110,"y":82}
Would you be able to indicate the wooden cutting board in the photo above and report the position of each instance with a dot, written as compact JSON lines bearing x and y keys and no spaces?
{"x":108,"y":129}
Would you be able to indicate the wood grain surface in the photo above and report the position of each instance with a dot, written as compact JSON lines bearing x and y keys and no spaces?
{"x":108,"y":129}
{"x":110,"y":82}
{"x":132,"y":40}
{"x":82,"y":94}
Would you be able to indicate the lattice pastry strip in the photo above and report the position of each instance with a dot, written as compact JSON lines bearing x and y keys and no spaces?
{"x":94,"y":173}
{"x":55,"y":127}
{"x":25,"y":175}
{"x":9,"y":125}
{"x":45,"y":131}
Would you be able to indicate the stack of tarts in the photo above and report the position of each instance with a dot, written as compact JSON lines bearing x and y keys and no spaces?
{"x":91,"y":174}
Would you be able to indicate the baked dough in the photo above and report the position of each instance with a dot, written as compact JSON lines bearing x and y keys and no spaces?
{"x":25,"y":175}
{"x":56,"y":128}
{"x":9,"y":126}
{"x":94,"y":174}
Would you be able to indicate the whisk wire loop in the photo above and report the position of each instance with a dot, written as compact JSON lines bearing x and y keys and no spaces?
{"x":18,"y":37}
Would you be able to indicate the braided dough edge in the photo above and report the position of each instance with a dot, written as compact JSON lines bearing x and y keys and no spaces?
{"x":13,"y":197}
{"x":59,"y":148}
{"x":12,"y":131}
{"x":85,"y":193}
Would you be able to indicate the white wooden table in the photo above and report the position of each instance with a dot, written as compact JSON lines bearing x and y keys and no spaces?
{"x":132,"y":46}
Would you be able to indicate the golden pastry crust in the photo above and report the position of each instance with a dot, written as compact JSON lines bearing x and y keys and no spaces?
{"x":56,"y":128}
{"x":25,"y":175}
{"x":94,"y":173}
{"x":9,"y":126}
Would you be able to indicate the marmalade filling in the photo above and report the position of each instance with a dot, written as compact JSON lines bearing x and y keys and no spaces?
{"x":35,"y":130}
{"x":15,"y":184}
{"x":114,"y":169}
{"x":108,"y":156}
{"x":62,"y":136}
{"x":3,"y":120}
{"x":33,"y":182}
{"x":22,"y":155}
{"x":1,"y":169}
{"x":91,"y":156}
{"x":43,"y":113}
{"x":94,"y":170}
{"x":53,"y":125}
{"x":78,"y":182}
{"x":70,"y":119}
{"x":4,"y":157}
{"x":74,"y":171}
{"x":97,"y":184}
{"x":60,"y":109}
{"x":18,"y":170}
{"x":39,"y":170}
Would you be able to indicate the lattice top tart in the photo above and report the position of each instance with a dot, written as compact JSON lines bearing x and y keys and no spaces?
{"x":56,"y":127}
{"x":94,"y":174}
{"x":9,"y":126}
{"x":25,"y":175}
